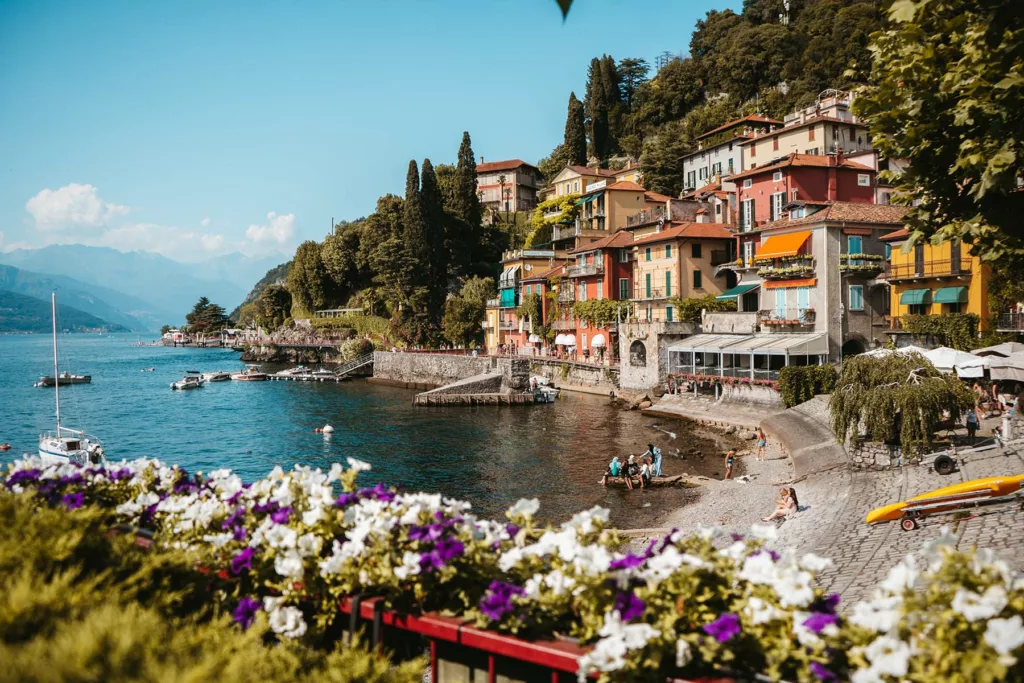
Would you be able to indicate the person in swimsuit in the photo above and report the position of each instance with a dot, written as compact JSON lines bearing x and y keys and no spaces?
{"x":762,"y":444}
{"x":730,"y":458}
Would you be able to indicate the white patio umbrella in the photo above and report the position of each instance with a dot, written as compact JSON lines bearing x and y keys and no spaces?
{"x":883,"y":352}
{"x":1005,"y":349}
{"x":598,"y":341}
{"x":1011,"y":367}
{"x":945,"y":358}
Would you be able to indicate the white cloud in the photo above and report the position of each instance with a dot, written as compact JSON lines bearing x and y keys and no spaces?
{"x":72,"y":205}
{"x":180,"y":244}
{"x":279,"y":231}
{"x":205,"y":223}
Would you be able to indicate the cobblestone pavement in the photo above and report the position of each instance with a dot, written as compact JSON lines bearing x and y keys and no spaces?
{"x":833,"y":525}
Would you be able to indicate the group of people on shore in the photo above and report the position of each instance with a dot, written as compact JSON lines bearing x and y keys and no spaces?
{"x":647,"y":465}
{"x":989,"y":402}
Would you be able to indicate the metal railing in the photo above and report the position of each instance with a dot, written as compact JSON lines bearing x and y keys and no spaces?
{"x":782,"y":317}
{"x":493,"y":303}
{"x":910,"y":271}
{"x":642,"y":292}
{"x":566,"y":295}
{"x":1010,"y":322}
{"x":646,"y":216}
{"x":563,"y":325}
{"x":506,"y":325}
{"x":586,"y":269}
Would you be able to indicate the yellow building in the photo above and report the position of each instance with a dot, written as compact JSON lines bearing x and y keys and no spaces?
{"x":500,"y":318}
{"x":677,"y":261}
{"x":933,"y":279}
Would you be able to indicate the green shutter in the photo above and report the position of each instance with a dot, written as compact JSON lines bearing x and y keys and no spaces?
{"x":647,"y":279}
{"x":668,"y":283}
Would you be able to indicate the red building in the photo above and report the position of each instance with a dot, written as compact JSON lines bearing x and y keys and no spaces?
{"x":600,"y":270}
{"x":762,"y":192}
{"x":522,"y":330}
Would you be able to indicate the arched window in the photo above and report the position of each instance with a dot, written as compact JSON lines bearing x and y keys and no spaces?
{"x":638,"y":354}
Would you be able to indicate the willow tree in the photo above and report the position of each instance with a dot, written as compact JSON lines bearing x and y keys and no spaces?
{"x":898,"y":397}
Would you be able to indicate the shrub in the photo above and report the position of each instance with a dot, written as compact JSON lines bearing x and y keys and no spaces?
{"x":354,"y":348}
{"x":799,"y":383}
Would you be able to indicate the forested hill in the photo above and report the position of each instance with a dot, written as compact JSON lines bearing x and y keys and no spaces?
{"x":275,"y":276}
{"x":766,"y":60}
{"x":20,"y":313}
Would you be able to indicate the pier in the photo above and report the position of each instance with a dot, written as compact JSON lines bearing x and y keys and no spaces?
{"x":495,"y":399}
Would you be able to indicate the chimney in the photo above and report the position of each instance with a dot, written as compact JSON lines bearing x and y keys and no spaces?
{"x":832,"y":193}
{"x":481,"y":158}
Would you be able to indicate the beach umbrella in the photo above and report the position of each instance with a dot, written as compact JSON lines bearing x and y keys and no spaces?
{"x":945,"y":358}
{"x":1009,"y":368}
{"x":1005,"y":349}
{"x":598,"y":341}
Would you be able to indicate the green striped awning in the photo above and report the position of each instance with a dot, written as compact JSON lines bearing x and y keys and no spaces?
{"x":737,"y":291}
{"x":950,"y":295}
{"x":916,"y":296}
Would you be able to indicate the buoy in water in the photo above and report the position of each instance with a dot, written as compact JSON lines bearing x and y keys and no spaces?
{"x":328,"y":429}
{"x":318,"y":430}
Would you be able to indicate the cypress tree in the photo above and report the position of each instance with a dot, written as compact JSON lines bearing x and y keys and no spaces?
{"x":432,"y":208}
{"x":575,"y":143}
{"x":590,"y":101}
{"x":467,"y":205}
{"x":412,"y":221}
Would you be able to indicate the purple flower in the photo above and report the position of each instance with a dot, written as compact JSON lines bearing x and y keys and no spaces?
{"x":819,"y":620}
{"x":148,"y":513}
{"x":242,"y":561}
{"x":281,"y":516}
{"x":629,"y":606}
{"x":827,"y":604}
{"x":430,"y":532}
{"x":246,"y":611}
{"x":233,"y":500}
{"x":724,"y":628}
{"x":430,"y":562}
{"x":448,"y":549}
{"x":498,"y":600}
{"x":73,"y":501}
{"x":511,"y":530}
{"x":822,"y":674}
{"x":23,"y":477}
{"x":736,"y":538}
{"x":378,"y":492}
{"x":239,"y":533}
{"x":118,"y":475}
{"x":628,"y":562}
{"x":771,"y":553}
{"x":75,"y":478}
{"x":267,"y":508}
{"x":346,"y":499}
{"x":235,"y":518}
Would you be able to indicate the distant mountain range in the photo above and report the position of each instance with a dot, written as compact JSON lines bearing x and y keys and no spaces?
{"x":20,"y":313}
{"x":161,"y":291}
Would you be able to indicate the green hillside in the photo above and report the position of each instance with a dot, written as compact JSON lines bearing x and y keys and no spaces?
{"x":274,"y":276}
{"x":20,"y":313}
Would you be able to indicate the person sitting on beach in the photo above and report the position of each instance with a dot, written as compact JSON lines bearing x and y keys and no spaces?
{"x":645,"y":475}
{"x":614,"y":468}
{"x":786,"y":505}
{"x":630,"y":470}
{"x":730,"y":458}
{"x":762,"y":444}
{"x":654,"y":453}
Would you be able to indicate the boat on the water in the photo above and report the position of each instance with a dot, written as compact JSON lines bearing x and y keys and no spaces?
{"x":252,"y":373}
{"x":298,"y":372}
{"x":949,"y":498}
{"x":324,"y":373}
{"x":66,"y":445}
{"x":192,"y":380}
{"x":64,"y":379}
{"x":217,"y":376}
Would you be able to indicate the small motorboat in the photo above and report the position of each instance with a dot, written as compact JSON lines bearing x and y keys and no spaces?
{"x":217,"y":376}
{"x":65,"y":379}
{"x":545,"y":394}
{"x":299,"y":372}
{"x":5,"y":446}
{"x":193,"y":380}
{"x":967,"y":494}
{"x":252,"y":373}
{"x":322,"y":373}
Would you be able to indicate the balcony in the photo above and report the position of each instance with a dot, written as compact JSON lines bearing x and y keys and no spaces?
{"x":788,"y":317}
{"x":1010,"y":322}
{"x":788,"y":268}
{"x":646,"y":216}
{"x":564,"y":232}
{"x":566,"y":295}
{"x":861,"y":264}
{"x":649,"y":293}
{"x":551,"y":215}
{"x":584,"y":269}
{"x":563,"y":325}
{"x":494,"y":303}
{"x":923,"y":269}
{"x":506,"y":325}
{"x":514,"y":254}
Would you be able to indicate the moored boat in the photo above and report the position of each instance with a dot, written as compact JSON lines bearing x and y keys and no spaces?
{"x":252,"y":373}
{"x":64,"y":379}
{"x":193,"y":380}
{"x":217,"y":376}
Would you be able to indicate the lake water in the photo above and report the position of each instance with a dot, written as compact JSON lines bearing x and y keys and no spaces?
{"x":488,"y":456}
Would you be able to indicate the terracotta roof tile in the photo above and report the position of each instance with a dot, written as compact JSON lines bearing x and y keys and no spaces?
{"x":809,"y":122}
{"x":802,"y":161}
{"x":847,"y":212}
{"x":710,"y":187}
{"x":545,"y":274}
{"x":900,"y":234}
{"x":620,"y":239}
{"x":688,"y":230}
{"x":754,"y":118}
{"x":586,"y":170}
{"x":656,"y":197}
{"x":507,"y":165}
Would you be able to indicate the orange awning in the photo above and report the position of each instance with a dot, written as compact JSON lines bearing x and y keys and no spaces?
{"x":782,"y":284}
{"x":778,"y":246}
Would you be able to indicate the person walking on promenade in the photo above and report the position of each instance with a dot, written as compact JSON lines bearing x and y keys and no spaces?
{"x":730,"y":458}
{"x":762,"y":444}
{"x":972,"y":423}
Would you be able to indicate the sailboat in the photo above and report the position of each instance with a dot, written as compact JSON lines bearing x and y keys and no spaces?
{"x":66,"y":445}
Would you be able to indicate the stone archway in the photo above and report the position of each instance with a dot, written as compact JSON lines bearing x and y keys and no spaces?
{"x":638,"y":354}
{"x":854,"y":346}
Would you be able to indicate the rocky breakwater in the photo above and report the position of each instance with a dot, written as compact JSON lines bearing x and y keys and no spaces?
{"x":300,"y":343}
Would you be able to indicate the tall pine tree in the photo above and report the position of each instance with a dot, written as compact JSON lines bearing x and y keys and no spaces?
{"x":575,"y":143}
{"x":414,"y":230}
{"x":467,"y":205}
{"x":434,"y":219}
{"x":597,"y":112}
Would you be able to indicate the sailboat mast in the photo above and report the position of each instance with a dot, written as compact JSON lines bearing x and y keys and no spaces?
{"x":56,"y":373}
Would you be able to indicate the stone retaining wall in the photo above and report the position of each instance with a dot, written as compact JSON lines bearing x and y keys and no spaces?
{"x":576,"y":375}
{"x":871,"y":455}
{"x":430,"y":368}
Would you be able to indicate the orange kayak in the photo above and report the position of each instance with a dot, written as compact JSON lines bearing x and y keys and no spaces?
{"x":990,"y":487}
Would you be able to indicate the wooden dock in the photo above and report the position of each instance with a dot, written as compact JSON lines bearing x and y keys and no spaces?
{"x":445,"y":400}
{"x":305,"y":378}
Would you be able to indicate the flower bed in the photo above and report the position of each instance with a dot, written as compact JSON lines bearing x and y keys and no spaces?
{"x":295,"y":547}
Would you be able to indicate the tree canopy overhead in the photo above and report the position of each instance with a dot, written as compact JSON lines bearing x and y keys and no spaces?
{"x":946,"y":93}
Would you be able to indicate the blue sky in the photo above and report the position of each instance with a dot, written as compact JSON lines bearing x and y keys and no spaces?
{"x":200,"y":128}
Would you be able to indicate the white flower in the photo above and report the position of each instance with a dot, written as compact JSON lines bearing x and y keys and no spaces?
{"x":281,"y":536}
{"x":708,"y":532}
{"x":525,"y":507}
{"x":815,"y":563}
{"x":410,"y":566}
{"x":684,"y":653}
{"x":973,"y":606}
{"x":880,"y":615}
{"x":334,"y":563}
{"x":1005,"y":635}
{"x":312,"y":515}
{"x":888,"y":656}
{"x":510,"y":558}
{"x":335,"y":472}
{"x":286,"y":621}
{"x":146,"y":499}
{"x":794,"y":588}
{"x":766,"y":532}
{"x":760,"y":611}
{"x":934,"y":549}
{"x":759,"y":569}
{"x":309,"y":544}
{"x":901,"y":577}
{"x":218,"y":540}
{"x":289,"y":565}
{"x":358,"y":465}
{"x":734,"y":552}
{"x":584,"y":521}
{"x":608,"y":654}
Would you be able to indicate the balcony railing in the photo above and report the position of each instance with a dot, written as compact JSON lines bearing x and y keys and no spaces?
{"x":1010,"y":322}
{"x":563,"y":325}
{"x":513,"y":254}
{"x":562,"y":232}
{"x":911,"y":271}
{"x":646,"y":216}
{"x":506,"y":325}
{"x":643,"y":293}
{"x":566,"y":295}
{"x":586,"y":269}
{"x":550,"y":215}
{"x":788,"y":317}
{"x":786,"y":268}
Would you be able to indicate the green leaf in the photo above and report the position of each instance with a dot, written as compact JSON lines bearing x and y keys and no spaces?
{"x":565,"y":5}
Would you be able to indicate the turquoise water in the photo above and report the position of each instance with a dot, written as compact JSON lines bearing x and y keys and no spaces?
{"x":488,"y":456}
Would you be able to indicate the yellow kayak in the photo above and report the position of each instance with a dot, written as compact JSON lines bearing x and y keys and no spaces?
{"x":990,"y":487}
